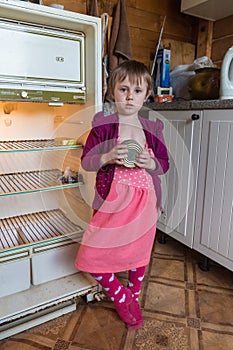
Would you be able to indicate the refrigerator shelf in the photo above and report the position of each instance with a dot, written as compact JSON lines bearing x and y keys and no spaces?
{"x":33,"y":181}
{"x":41,"y":227}
{"x":37,"y":145}
{"x":37,"y":305}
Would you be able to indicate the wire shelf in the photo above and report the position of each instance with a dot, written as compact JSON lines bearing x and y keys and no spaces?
{"x":36,"y":145}
{"x":31,"y":228}
{"x":33,"y":181}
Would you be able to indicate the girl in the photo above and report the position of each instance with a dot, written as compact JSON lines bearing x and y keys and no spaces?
{"x":121,"y":232}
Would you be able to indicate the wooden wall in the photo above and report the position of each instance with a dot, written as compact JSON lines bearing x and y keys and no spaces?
{"x":145,"y":19}
{"x":222,"y":39}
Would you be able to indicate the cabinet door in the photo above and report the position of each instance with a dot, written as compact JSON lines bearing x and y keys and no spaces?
{"x":214,"y":228}
{"x":182,"y":136}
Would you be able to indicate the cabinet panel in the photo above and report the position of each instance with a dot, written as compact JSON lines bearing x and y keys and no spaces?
{"x":182,"y":137}
{"x":214,"y":229}
{"x":211,"y":10}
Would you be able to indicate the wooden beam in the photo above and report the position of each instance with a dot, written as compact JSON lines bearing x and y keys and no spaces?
{"x":204,"y":39}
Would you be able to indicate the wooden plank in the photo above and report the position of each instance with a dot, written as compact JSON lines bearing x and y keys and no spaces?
{"x":149,"y":38}
{"x":204,"y":40}
{"x":142,"y":55}
{"x":165,"y":7}
{"x":183,"y":29}
{"x":223,"y":27}
{"x":222,"y":39}
{"x":178,"y":29}
{"x":71,"y":5}
{"x":146,"y":20}
{"x":220,"y":47}
{"x":142,"y":49}
{"x":181,"y":52}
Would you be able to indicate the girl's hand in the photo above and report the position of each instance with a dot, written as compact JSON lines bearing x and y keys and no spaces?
{"x":116,"y":155}
{"x":144,"y":160}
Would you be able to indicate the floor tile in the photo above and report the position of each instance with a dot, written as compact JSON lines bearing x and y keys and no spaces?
{"x":96,"y":330}
{"x":51,"y":330}
{"x":216,"y":341}
{"x":171,"y":248}
{"x":158,"y":335}
{"x":27,"y":342}
{"x":165,"y":299}
{"x":216,"y":277}
{"x":216,"y":308}
{"x":167,"y":268}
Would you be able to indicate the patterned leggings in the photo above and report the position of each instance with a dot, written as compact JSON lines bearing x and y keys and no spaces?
{"x":115,"y":289}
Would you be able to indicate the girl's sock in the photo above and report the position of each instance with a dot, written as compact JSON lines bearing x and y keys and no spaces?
{"x":120,"y":295}
{"x":136,"y":277}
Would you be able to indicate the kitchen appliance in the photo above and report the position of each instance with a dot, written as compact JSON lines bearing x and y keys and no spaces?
{"x":204,"y":85}
{"x":42,"y":218}
{"x":226,"y":79}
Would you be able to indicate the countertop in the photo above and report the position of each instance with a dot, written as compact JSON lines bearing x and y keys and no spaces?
{"x":179,"y":104}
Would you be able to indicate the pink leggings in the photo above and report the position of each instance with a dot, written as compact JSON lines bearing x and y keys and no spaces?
{"x":114,"y":287}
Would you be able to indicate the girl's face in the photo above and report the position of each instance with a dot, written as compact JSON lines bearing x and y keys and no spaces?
{"x":129,"y":97}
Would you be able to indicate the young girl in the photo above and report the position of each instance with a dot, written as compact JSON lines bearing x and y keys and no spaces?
{"x":121,"y":232}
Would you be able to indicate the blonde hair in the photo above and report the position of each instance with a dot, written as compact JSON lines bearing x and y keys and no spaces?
{"x":136,"y":71}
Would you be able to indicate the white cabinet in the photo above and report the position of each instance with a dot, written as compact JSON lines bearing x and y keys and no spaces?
{"x":214,"y":216}
{"x":182,"y":131}
{"x":198,"y":188}
{"x":208,"y":9}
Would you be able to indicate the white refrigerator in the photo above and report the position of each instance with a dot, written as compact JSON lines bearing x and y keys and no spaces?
{"x":50,"y":88}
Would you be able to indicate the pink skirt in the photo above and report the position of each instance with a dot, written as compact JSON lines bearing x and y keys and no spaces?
{"x":121,"y":234}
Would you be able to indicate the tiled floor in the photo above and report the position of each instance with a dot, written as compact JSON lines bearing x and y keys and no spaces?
{"x":183,"y":307}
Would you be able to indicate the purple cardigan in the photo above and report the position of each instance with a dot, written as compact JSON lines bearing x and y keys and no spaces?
{"x":103,"y":136}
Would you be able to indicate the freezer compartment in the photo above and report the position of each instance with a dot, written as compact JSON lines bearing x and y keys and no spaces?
{"x":48,"y":64}
{"x":14,"y":272}
{"x":54,"y":260}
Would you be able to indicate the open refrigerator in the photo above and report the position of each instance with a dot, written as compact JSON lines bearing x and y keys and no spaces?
{"x":43,"y":213}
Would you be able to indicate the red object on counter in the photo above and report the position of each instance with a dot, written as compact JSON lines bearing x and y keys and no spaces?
{"x":164,"y":98}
